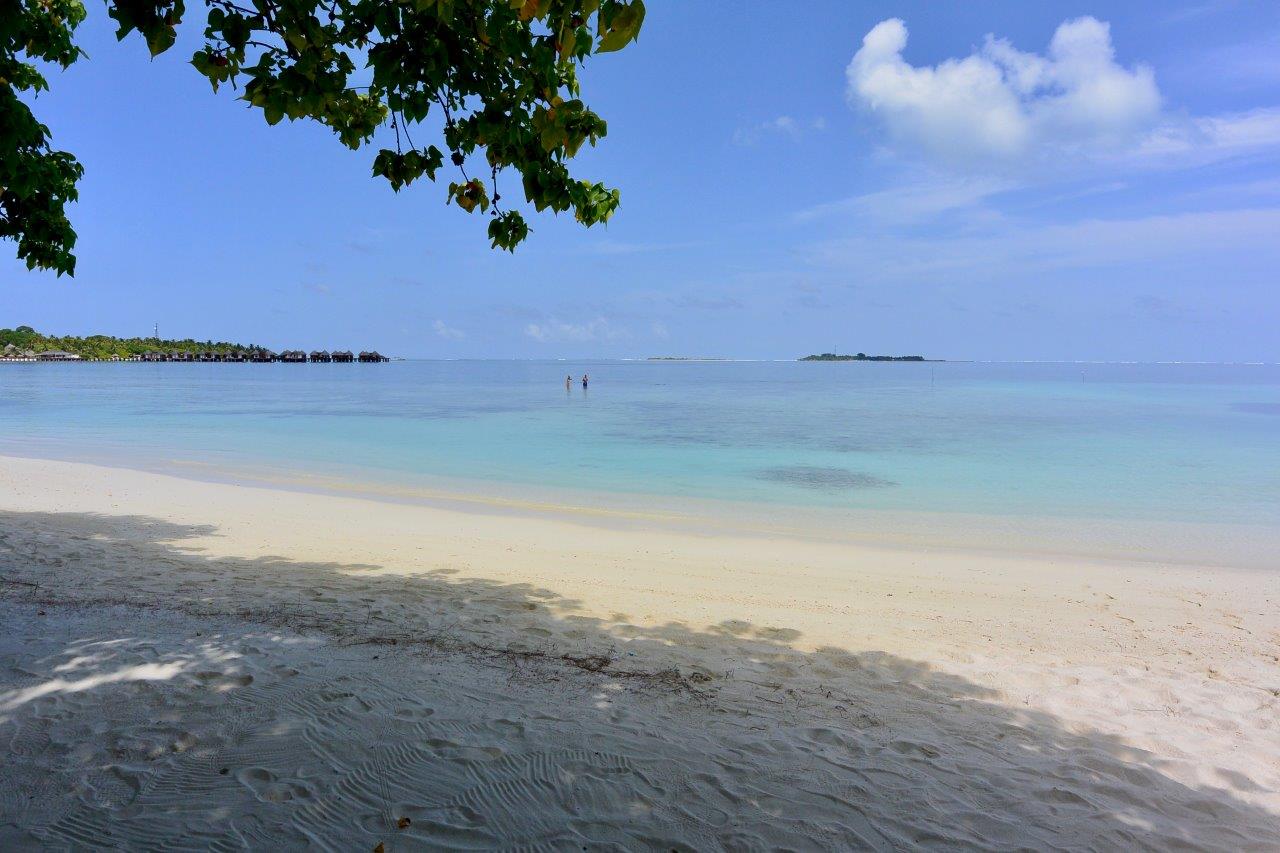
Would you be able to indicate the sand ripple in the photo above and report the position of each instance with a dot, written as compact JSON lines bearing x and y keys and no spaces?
{"x":153,"y":696}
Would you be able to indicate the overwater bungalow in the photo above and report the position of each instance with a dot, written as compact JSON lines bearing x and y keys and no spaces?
{"x":262,"y":356}
{"x":370,"y":357}
{"x":319,"y":356}
{"x":12,"y":353}
{"x":343,"y":356}
{"x":56,"y":355}
{"x":293,"y":356}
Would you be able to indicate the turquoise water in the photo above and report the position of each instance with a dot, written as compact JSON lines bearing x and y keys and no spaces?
{"x":1166,"y":442}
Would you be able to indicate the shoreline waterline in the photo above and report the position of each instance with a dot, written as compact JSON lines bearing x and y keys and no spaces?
{"x":1195,"y":545}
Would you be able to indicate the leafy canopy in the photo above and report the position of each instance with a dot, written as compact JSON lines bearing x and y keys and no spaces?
{"x":25,"y":338}
{"x":499,"y":77}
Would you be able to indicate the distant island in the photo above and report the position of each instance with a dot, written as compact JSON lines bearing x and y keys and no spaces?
{"x":26,"y":344}
{"x":862,"y":356}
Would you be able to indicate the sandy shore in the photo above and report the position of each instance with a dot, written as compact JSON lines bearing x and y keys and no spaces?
{"x":205,"y":665}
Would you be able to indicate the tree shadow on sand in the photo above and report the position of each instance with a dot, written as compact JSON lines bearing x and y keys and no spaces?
{"x":758,"y":743}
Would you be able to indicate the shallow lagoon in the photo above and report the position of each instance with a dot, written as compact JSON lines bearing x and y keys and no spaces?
{"x":1105,"y":441}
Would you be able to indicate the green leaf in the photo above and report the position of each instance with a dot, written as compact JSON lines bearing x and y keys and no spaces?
{"x":161,"y":39}
{"x":623,"y":27}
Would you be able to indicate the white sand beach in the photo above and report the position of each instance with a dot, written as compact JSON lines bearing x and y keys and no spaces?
{"x":216,"y":666}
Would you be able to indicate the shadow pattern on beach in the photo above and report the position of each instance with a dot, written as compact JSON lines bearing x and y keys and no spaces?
{"x":234,"y":702}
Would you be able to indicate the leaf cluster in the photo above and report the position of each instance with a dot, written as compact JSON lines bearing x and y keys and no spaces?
{"x":497,"y":79}
{"x":36,"y":181}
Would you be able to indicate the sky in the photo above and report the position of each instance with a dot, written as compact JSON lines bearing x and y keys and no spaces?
{"x":1003,"y":180}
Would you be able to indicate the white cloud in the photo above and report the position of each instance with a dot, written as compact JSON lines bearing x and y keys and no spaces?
{"x":1001,"y":104}
{"x":792,"y":128}
{"x":1012,"y":253}
{"x":1206,"y":139}
{"x":596,"y":330}
{"x":1187,"y":13}
{"x":1251,"y":64}
{"x":923,"y":198}
{"x":448,"y":332}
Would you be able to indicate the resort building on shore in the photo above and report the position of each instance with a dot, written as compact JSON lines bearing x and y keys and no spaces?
{"x":257,"y":355}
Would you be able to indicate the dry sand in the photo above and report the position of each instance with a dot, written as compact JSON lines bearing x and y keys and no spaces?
{"x":196,"y":665}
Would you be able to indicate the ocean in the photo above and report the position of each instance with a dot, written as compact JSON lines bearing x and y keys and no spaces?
{"x":1169,"y":443}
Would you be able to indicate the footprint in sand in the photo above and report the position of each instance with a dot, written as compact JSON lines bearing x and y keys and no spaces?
{"x":266,"y":786}
{"x":112,"y":787}
{"x":221,"y":681}
{"x":906,"y":747}
{"x":781,"y":635}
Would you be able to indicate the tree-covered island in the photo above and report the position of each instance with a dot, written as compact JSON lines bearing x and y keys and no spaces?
{"x":862,"y":356}
{"x":25,"y":339}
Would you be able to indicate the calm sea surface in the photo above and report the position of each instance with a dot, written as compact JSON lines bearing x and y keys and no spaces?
{"x":1156,"y":442}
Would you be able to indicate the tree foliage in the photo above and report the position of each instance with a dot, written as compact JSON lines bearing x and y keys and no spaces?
{"x":25,"y":338}
{"x":36,"y":182}
{"x":496,"y":79}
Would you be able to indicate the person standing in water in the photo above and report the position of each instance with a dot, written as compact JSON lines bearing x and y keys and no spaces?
{"x":568,"y":383}
{"x":584,"y":382}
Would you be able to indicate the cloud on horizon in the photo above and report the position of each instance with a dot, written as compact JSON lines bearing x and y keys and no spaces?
{"x":596,"y":330}
{"x":447,"y":332}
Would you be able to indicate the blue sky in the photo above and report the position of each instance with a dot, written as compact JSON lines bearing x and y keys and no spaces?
{"x":994,"y":181}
